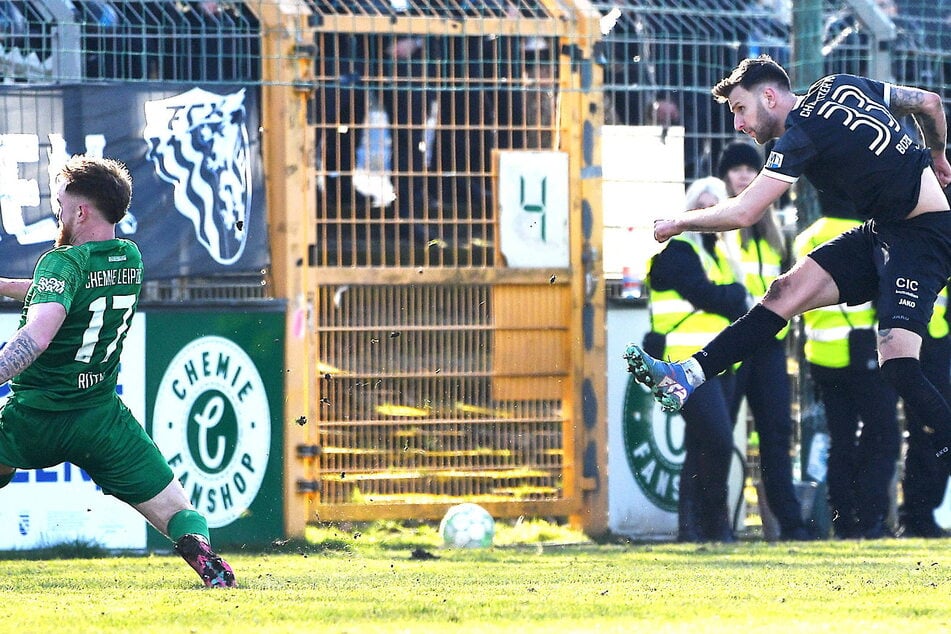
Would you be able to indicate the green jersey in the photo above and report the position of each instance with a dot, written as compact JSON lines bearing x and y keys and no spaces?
{"x":98,"y":284}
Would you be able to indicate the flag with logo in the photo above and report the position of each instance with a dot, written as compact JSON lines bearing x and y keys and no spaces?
{"x":198,"y":202}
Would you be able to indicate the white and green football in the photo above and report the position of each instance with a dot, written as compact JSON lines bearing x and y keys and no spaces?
{"x":467,"y":525}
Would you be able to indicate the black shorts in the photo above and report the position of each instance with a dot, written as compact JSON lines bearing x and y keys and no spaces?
{"x":901,"y":266}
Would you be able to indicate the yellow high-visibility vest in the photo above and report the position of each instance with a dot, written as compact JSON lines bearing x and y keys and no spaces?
{"x":761,"y":264}
{"x":688,"y":329}
{"x":938,"y":326}
{"x":827,"y":328}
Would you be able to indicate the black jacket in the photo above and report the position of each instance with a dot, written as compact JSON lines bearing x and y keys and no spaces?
{"x":678,"y":268}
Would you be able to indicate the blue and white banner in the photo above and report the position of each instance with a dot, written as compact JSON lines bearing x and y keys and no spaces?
{"x":198,"y":205}
{"x":46,"y":507}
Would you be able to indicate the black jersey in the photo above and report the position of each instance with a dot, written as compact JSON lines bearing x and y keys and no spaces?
{"x":842,"y":137}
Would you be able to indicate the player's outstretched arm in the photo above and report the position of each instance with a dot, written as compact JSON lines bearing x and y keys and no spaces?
{"x":743,"y":210}
{"x":14,"y":288}
{"x":43,"y":321}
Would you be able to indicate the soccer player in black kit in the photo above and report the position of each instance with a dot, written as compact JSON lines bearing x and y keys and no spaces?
{"x":844,"y":136}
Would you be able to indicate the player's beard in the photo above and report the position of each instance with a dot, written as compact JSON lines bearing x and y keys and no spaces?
{"x":64,"y":237}
{"x":769,"y":126}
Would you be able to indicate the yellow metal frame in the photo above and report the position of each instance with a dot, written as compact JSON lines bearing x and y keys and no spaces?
{"x":288,"y":150}
{"x":289,"y":153}
{"x":586,"y":105}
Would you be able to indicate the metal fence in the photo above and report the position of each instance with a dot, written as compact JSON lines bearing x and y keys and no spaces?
{"x":119,"y":40}
{"x":421,"y":128}
{"x":419,"y":414}
{"x":446,"y":373}
{"x":662,"y":58}
{"x":409,"y":118}
{"x":420,"y":389}
{"x":658,"y":50}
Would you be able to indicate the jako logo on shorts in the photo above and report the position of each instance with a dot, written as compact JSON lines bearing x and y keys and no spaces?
{"x":212,"y":423}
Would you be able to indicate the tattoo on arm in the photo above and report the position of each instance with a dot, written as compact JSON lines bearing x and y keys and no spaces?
{"x":19,"y":353}
{"x":904,"y":100}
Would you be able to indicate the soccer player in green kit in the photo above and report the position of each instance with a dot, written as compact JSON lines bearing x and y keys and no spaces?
{"x":63,"y":364}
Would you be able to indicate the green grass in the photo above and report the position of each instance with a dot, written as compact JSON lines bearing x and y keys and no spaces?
{"x":359,"y":579}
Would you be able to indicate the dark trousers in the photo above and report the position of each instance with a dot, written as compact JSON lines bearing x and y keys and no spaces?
{"x":861,"y":465}
{"x":924,"y":480}
{"x":703,"y":508}
{"x":407,"y":107}
{"x":764,"y":381}
{"x":356,"y":69}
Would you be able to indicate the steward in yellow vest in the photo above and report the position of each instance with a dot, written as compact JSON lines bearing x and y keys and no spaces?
{"x":841,"y":354}
{"x":763,"y":379}
{"x":693,"y":296}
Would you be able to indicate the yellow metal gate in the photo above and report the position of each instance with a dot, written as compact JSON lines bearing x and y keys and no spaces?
{"x":423,"y":369}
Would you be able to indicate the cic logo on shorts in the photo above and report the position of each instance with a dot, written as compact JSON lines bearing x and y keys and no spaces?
{"x":654,"y":447}
{"x":212,"y":423}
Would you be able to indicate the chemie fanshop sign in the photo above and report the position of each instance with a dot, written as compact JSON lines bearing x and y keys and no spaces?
{"x":215,"y":404}
{"x":207,"y":386}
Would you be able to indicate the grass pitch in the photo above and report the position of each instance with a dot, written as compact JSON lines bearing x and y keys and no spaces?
{"x":387,"y":579}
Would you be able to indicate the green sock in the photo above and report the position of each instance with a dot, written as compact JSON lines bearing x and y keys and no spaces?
{"x":187,"y":521}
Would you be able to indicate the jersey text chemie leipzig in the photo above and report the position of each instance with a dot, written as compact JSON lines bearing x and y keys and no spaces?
{"x":98,"y":283}
{"x":843,"y":139}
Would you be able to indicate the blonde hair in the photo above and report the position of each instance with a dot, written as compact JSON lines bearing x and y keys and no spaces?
{"x":708,"y":185}
{"x":767,"y":228}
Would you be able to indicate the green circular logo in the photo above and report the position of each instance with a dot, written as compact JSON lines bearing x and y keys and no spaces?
{"x":212,"y":421}
{"x":212,"y":431}
{"x":654,"y":446}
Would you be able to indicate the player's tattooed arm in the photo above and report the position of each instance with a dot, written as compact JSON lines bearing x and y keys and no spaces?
{"x":43,"y":321}
{"x":927,"y":109}
{"x":19,"y":353}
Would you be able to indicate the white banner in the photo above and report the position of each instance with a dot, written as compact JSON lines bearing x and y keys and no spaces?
{"x":643,"y":168}
{"x":533,"y":209}
{"x":60,"y":505}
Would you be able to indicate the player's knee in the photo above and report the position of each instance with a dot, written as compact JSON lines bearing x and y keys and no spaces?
{"x":776,"y":290}
{"x":790,"y":294}
{"x":7,"y":478}
{"x":807,"y":285}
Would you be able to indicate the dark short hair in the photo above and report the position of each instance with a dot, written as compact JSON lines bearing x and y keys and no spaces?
{"x":752,"y":72}
{"x":103,"y":181}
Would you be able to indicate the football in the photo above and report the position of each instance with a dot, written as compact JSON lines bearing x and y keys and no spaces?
{"x":467,"y":526}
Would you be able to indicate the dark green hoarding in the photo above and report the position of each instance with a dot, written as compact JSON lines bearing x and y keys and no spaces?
{"x":214,"y":406}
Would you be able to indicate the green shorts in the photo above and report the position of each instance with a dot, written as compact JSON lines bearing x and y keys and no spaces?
{"x":104,"y":441}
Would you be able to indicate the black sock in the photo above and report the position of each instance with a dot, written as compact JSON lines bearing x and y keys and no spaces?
{"x":739,"y":340}
{"x":922,"y":398}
